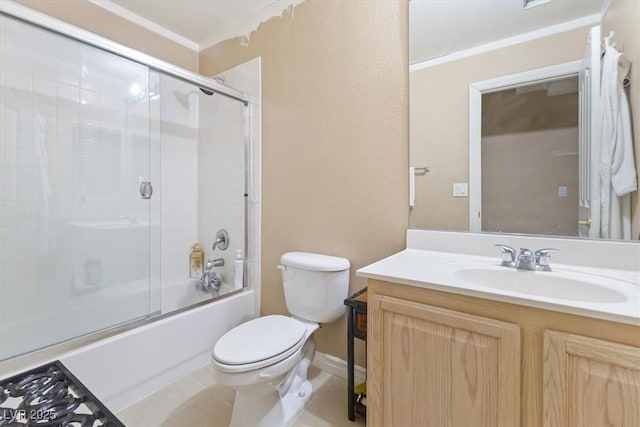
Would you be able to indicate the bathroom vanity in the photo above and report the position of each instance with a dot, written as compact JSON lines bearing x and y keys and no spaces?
{"x":445,"y":349}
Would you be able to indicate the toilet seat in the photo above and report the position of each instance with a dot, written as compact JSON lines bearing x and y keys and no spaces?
{"x":258,"y":343}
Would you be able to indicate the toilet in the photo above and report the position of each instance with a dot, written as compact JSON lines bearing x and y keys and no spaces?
{"x":266,"y":360}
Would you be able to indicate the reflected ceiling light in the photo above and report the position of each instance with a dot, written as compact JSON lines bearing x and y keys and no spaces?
{"x":135,"y":89}
{"x":528,"y":4}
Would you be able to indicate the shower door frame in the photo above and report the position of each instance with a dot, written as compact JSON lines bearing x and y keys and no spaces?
{"x":52,"y":24}
{"x":32,"y":17}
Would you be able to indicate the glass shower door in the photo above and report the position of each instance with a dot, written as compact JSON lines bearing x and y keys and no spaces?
{"x":74,"y":163}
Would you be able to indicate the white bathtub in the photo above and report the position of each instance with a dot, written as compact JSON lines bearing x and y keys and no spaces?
{"x":185,"y":293}
{"x":125,"y":368}
{"x":95,"y":308}
{"x":76,"y":315}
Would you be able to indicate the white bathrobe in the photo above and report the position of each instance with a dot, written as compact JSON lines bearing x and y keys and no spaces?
{"x":617,"y":168}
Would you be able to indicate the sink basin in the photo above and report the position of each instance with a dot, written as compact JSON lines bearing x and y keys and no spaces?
{"x":549,"y":284}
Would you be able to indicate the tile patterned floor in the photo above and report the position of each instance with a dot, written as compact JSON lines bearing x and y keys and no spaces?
{"x":197,"y":401}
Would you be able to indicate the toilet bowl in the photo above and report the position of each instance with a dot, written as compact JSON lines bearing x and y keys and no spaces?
{"x":266,"y":360}
{"x":258,"y":355}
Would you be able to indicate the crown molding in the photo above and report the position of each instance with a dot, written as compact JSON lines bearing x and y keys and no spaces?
{"x":145,"y":23}
{"x":585,"y":21}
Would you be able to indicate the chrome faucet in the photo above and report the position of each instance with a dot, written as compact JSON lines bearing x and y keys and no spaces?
{"x":211,"y":280}
{"x":508,"y":255}
{"x":543,"y":258}
{"x":526,"y":259}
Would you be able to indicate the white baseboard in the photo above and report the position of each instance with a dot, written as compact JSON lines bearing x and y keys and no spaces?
{"x":338,"y":367}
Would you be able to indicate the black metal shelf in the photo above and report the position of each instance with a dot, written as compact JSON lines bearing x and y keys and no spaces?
{"x":356,"y":328}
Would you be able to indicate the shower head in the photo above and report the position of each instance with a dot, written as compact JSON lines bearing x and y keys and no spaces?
{"x":183,"y":98}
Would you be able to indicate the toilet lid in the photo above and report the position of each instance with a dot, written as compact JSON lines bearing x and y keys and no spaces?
{"x":258,"y":339}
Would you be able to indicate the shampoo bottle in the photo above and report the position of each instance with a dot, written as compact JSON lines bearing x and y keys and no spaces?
{"x":238,"y":270}
{"x":196,"y":261}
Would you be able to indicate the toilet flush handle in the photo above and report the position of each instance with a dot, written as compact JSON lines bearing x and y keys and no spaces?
{"x":281,"y":267}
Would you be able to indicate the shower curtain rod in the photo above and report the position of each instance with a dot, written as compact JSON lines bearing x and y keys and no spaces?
{"x":34,"y":17}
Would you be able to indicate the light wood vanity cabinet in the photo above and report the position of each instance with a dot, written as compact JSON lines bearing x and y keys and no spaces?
{"x":441,"y":359}
{"x":590,"y":382}
{"x":432,"y":366}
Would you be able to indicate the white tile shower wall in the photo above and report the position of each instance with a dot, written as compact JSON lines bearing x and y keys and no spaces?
{"x":71,"y":138}
{"x":222,"y":178}
{"x":202,"y":146}
{"x":247,"y":78}
{"x":155,"y":218}
{"x":33,"y":115}
{"x":179,"y":183}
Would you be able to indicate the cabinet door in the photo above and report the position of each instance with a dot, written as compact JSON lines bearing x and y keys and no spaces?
{"x":429,"y":366}
{"x":590,"y":382}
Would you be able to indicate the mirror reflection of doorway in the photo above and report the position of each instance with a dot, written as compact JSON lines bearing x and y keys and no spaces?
{"x":530,"y":165}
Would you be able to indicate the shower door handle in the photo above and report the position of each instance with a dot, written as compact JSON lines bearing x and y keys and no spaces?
{"x":146,"y":189}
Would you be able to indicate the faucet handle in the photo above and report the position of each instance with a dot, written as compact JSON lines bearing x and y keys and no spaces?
{"x":543,"y":257}
{"x":508,"y":255}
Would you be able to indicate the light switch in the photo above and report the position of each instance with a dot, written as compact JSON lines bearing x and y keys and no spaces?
{"x":460,"y":189}
{"x":562,"y":191}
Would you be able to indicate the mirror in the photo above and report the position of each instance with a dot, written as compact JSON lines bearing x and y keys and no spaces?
{"x":529,"y":147}
{"x":455,"y":47}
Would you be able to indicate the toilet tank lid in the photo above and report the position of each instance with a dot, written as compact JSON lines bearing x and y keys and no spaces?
{"x":314,"y":262}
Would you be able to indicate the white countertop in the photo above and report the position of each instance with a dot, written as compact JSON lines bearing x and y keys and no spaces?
{"x":441,"y":271}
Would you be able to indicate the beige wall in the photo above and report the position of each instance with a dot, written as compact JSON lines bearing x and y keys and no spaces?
{"x":334,"y":137}
{"x":439,"y":131}
{"x":529,"y":150}
{"x":521,"y":173}
{"x":623,"y":17}
{"x":97,"y":20}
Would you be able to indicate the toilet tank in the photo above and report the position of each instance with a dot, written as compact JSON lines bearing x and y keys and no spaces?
{"x":315,"y":285}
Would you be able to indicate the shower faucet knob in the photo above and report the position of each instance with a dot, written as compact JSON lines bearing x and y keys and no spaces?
{"x":222,"y":240}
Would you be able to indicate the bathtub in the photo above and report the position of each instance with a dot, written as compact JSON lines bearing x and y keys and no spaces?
{"x":64,"y":316}
{"x":124,"y":368}
{"x":95,"y":307}
{"x":185,"y":293}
